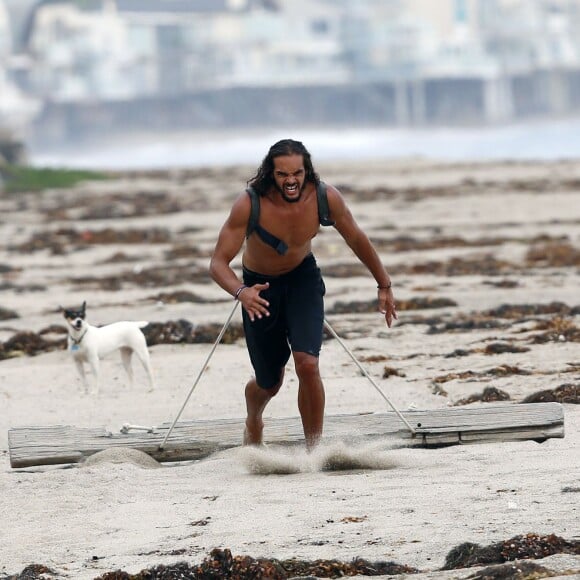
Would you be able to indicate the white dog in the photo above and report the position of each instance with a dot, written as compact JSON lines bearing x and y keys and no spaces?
{"x":90,"y":344}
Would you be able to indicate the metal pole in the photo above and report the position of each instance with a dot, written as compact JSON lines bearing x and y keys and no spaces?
{"x":218,"y":339}
{"x":364,"y":372}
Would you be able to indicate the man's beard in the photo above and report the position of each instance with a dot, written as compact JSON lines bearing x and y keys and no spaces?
{"x":291,"y":199}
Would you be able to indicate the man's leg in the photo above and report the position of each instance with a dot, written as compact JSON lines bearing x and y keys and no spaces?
{"x":256,"y":401}
{"x":311,"y":397}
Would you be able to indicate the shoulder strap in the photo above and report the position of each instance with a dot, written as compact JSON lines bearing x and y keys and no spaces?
{"x":323,"y":209}
{"x":254,"y":211}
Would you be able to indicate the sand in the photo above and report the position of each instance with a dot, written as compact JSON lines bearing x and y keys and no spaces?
{"x":478,"y":235}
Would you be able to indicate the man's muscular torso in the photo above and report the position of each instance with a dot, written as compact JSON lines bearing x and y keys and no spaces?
{"x":294,"y":223}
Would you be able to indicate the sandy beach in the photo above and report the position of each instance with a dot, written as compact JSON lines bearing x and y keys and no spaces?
{"x":485,"y":262}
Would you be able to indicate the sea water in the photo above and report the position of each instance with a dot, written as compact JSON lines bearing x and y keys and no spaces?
{"x":541,"y":140}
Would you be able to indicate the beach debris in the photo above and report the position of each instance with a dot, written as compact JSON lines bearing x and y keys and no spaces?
{"x":116,"y":205}
{"x":526,"y":546}
{"x":345,"y":270}
{"x":467,"y":186}
{"x":520,"y":571}
{"x":108,"y":236}
{"x":392,"y":372}
{"x":497,"y":318}
{"x":367,"y":306}
{"x":222,"y":564}
{"x":507,"y":370}
{"x":553,"y":255}
{"x":566,"y":393}
{"x":183,"y":331}
{"x":557,"y":329}
{"x":527,"y":311}
{"x":353,"y":519}
{"x":505,"y":283}
{"x":503,"y":347}
{"x":57,"y":240}
{"x":63,"y":240}
{"x":147,"y":277}
{"x":34,"y":572}
{"x":186,"y":251}
{"x":461,"y":323}
{"x":180,"y":296}
{"x":373,"y":358}
{"x":523,"y":547}
{"x":120,"y":258}
{"x":405,"y":243}
{"x":499,"y":371}
{"x":482,"y":265}
{"x":489,"y":395}
{"x":203,"y":522}
{"x":53,"y":329}
{"x":8,"y":269}
{"x":458,"y":352}
{"x":490,"y":349}
{"x":8,"y":314}
{"x":30,"y":344}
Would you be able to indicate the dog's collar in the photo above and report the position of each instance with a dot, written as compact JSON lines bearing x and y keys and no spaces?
{"x":79,"y":339}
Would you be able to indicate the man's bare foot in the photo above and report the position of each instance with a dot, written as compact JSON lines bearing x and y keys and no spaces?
{"x":312,"y":443}
{"x":253,"y":437}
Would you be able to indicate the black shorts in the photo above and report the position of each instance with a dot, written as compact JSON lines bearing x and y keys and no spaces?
{"x":295,"y":322}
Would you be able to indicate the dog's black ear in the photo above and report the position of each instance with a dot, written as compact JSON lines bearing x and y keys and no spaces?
{"x":84,"y":306}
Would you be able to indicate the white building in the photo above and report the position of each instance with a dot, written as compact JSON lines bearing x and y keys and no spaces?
{"x":81,"y":55}
{"x":129,"y":48}
{"x":5,"y":34}
{"x":16,"y":109}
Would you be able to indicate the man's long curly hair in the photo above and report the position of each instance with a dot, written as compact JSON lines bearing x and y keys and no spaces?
{"x":264,"y":178}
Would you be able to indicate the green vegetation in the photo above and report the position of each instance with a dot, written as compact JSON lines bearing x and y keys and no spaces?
{"x":19,"y":178}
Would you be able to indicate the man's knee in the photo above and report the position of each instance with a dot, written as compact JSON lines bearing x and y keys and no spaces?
{"x":273,"y":390}
{"x":306,"y":365}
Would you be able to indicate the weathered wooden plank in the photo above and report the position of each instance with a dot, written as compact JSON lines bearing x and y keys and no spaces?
{"x":189,"y":440}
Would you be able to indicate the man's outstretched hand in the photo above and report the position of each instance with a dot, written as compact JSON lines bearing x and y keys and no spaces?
{"x":253,"y":303}
{"x":387,"y":305}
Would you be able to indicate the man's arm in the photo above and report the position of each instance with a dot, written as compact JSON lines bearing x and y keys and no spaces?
{"x":360,"y":244}
{"x":229,"y":243}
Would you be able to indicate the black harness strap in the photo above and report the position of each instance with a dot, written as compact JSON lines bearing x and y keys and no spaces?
{"x":266,"y":236}
{"x":323,"y":209}
{"x":270,"y":239}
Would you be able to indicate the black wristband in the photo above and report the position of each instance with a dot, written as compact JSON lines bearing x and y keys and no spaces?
{"x":239,"y":291}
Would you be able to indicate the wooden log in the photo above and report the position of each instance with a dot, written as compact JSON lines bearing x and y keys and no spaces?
{"x":189,"y":440}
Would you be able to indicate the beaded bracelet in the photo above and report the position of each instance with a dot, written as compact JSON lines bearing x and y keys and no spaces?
{"x":385,"y":287}
{"x":239,"y":291}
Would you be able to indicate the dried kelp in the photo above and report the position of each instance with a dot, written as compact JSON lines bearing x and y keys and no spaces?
{"x":522,"y":547}
{"x":184,"y":332}
{"x":368,"y":306}
{"x":222,"y":564}
{"x":566,"y":393}
{"x":499,"y":371}
{"x":489,"y":395}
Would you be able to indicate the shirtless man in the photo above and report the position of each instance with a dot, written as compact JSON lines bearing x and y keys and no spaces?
{"x":282,"y":289}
